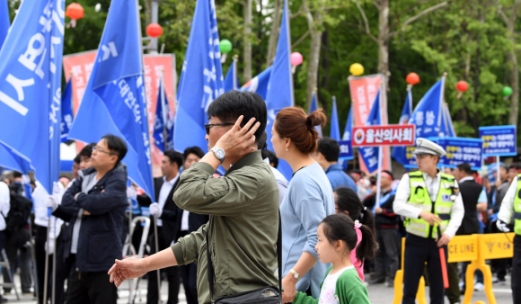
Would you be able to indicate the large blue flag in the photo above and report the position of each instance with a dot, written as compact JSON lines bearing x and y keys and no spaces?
{"x":30,"y":87}
{"x":280,"y":87}
{"x":349,"y":125}
{"x":312,"y":108}
{"x":258,"y":84}
{"x":201,"y":79}
{"x":4,"y":20}
{"x":447,"y":128}
{"x":427,"y":114}
{"x":335,"y":125}
{"x":370,"y":154}
{"x":163,"y":121}
{"x":114,"y":99}
{"x":399,"y":153}
{"x":231,"y":82}
{"x":66,"y":121}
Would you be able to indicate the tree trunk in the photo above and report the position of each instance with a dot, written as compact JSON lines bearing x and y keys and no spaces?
{"x":148,"y":12}
{"x":247,"y":41}
{"x":514,"y":77}
{"x":313,"y":63}
{"x":275,"y":28}
{"x":383,"y":38}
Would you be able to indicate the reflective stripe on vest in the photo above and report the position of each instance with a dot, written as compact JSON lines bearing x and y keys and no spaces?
{"x":517,"y":207}
{"x":420,"y":198}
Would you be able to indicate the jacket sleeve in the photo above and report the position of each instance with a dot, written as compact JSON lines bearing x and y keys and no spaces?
{"x":186,"y":249}
{"x":69,"y":204}
{"x":303,"y":298}
{"x":114,"y":193}
{"x":349,"y":292}
{"x":62,"y":214}
{"x":230,"y":195}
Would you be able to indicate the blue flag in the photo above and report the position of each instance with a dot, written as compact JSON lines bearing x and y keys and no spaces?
{"x":349,"y":125}
{"x":4,"y":20}
{"x":115,"y":95}
{"x":66,"y":111}
{"x":370,"y":154}
{"x":201,"y":79}
{"x":30,"y":87}
{"x":427,"y":115}
{"x":312,"y":108}
{"x":12,"y":161}
{"x":258,"y":84}
{"x":280,"y":87}
{"x":163,"y":120}
{"x":447,"y":128}
{"x":399,"y":153}
{"x":335,"y":125}
{"x":231,"y":82}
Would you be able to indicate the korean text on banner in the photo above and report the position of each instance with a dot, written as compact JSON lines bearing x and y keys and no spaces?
{"x":498,"y":140}
{"x":389,"y":135}
{"x":460,"y":150}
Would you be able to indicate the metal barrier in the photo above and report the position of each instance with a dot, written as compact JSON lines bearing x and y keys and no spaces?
{"x":476,"y":249}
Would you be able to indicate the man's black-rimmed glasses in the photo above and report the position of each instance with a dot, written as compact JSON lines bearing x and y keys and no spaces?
{"x":223,"y":124}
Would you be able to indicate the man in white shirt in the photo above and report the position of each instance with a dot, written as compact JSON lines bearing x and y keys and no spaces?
{"x":164,"y":211}
{"x":433,"y":208}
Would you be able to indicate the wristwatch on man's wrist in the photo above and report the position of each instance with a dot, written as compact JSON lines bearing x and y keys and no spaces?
{"x":219,"y":154}
{"x":295,"y":274}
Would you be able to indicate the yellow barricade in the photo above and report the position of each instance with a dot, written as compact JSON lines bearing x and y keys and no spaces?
{"x":476,"y":249}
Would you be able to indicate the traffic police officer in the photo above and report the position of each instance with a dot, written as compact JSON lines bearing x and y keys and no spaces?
{"x":431,"y":203}
{"x":510,"y":211}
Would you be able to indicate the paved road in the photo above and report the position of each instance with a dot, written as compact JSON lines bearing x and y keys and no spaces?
{"x":378,"y":294}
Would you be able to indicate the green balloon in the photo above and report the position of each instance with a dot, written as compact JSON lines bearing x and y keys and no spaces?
{"x":507,"y":91}
{"x":225,"y":46}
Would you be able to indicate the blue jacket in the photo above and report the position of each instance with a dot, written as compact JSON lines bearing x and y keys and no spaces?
{"x":339,"y":178}
{"x":99,"y":241}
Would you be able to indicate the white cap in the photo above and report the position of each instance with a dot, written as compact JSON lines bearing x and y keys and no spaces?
{"x":425,"y":146}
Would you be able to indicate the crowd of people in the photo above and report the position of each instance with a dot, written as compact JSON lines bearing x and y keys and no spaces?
{"x":220,"y":236}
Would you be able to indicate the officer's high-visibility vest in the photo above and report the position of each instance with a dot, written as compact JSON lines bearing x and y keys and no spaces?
{"x":420,"y":198}
{"x":517,"y":207}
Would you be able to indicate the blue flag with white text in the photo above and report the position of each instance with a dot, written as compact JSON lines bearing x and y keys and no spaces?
{"x":30,"y":87}
{"x":370,"y":154}
{"x":66,"y":121}
{"x":4,"y":20}
{"x":427,"y":114}
{"x":114,"y":99}
{"x":231,"y":82}
{"x":399,"y":153}
{"x":201,"y":78}
{"x":258,"y":84}
{"x":335,"y":125}
{"x":280,"y":87}
{"x":163,"y":120}
{"x":312,"y":108}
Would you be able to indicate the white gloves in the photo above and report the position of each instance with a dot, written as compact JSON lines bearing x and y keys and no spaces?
{"x":49,"y":246}
{"x":52,"y":202}
{"x":502,"y":226}
{"x":155,"y":210}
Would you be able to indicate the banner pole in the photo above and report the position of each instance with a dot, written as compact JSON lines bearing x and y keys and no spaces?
{"x":497,"y":168}
{"x":378,"y":180}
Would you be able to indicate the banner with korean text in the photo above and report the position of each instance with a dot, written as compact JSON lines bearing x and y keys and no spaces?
{"x":78,"y":67}
{"x":499,"y":140}
{"x":364,"y":91}
{"x":460,"y":150}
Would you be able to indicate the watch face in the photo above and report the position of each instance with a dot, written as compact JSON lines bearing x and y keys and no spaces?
{"x":219,"y":153}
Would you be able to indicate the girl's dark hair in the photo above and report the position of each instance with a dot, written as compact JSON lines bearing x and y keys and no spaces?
{"x":340,"y":227}
{"x":295,"y":124}
{"x":348,"y":200}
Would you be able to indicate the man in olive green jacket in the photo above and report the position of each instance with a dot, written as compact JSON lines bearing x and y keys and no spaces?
{"x":243,"y":206}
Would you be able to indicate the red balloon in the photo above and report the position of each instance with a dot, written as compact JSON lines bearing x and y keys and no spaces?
{"x":462,"y":86}
{"x":154,"y":30}
{"x":412,"y":79}
{"x":74,"y":11}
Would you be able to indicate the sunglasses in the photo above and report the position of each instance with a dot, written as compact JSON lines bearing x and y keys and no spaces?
{"x":224,"y":124}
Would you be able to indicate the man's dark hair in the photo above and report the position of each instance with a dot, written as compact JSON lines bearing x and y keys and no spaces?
{"x":193,"y":150}
{"x":17,"y":174}
{"x":87,"y":150}
{"x":116,"y":146}
{"x":77,"y":159}
{"x":229,"y":106}
{"x":175,"y":157}
{"x":329,"y":148}
{"x":271,"y":156}
{"x":465,"y":167}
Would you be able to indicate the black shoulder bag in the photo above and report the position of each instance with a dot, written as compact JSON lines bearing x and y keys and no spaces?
{"x":265,"y":295}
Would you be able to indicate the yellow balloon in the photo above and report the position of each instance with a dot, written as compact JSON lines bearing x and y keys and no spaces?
{"x":356,"y":69}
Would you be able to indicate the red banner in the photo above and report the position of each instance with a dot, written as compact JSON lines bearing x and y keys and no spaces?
{"x":79,"y":66}
{"x":363,"y":93}
{"x":388,"y":135}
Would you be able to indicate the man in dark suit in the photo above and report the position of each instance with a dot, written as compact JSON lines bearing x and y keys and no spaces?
{"x":188,"y":222}
{"x":166,"y":212}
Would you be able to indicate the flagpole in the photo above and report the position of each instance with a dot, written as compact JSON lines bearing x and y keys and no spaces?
{"x":234,"y":74}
